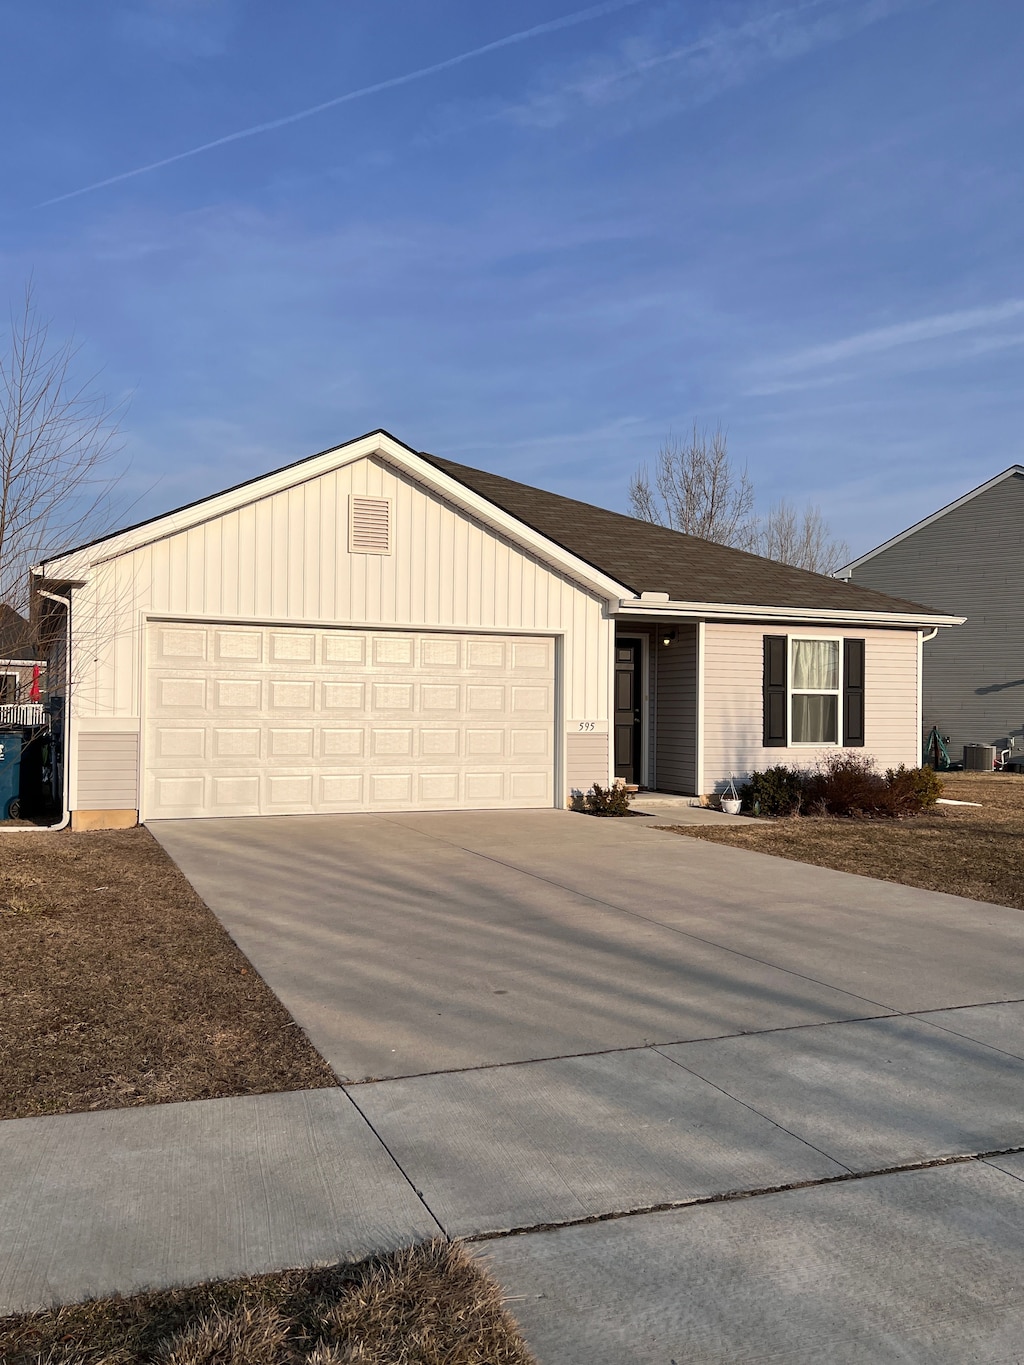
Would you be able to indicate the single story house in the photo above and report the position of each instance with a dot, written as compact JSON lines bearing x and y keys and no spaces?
{"x":967,"y":558}
{"x":376,"y":629}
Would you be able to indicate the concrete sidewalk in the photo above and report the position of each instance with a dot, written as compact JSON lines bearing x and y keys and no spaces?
{"x":116,"y":1201}
{"x":919,"y":1268}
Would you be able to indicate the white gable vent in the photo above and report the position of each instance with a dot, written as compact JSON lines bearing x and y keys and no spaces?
{"x":369,"y":531}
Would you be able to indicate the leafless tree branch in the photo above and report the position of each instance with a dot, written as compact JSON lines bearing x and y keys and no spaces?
{"x":695,"y":489}
{"x":57,"y":441}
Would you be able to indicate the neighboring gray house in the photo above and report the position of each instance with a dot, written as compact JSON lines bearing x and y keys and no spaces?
{"x":967,"y":559}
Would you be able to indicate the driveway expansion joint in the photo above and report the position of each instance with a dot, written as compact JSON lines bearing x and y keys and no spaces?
{"x":399,"y":1167}
{"x":736,"y":1196}
{"x":685,"y":1042}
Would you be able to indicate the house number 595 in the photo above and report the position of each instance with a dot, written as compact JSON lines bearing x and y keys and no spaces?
{"x":588,"y":724}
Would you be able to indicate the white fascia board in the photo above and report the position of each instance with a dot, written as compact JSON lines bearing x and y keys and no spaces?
{"x":376,"y":444}
{"x":847,"y":569}
{"x":729,"y":611}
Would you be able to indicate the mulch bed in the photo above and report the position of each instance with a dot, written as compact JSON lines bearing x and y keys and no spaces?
{"x":432,"y":1305}
{"x":963,"y":850}
{"x":119,"y":987}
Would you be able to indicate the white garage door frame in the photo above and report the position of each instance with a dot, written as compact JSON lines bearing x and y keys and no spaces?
{"x":149,"y":620}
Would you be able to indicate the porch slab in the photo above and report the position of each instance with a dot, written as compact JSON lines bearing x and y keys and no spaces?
{"x":683,"y":810}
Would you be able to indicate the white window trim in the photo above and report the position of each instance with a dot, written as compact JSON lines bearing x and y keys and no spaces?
{"x":792,"y":692}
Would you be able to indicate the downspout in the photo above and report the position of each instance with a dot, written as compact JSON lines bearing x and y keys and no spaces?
{"x":65,"y":819}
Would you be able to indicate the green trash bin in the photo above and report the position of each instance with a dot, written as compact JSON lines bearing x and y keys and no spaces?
{"x":10,"y":774}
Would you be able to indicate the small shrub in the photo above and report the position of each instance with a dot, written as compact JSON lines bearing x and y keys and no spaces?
{"x":601,"y":800}
{"x":912,"y":790}
{"x":774,"y":791}
{"x":846,"y":784}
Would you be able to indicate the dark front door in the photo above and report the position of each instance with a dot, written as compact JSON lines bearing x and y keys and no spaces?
{"x":627,"y":722}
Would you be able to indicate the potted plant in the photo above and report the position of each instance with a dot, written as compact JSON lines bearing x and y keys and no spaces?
{"x":731,"y":799}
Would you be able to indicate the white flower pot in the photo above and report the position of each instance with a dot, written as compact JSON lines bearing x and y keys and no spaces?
{"x":731,"y":805}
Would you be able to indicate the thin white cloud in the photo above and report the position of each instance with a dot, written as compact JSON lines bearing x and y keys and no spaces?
{"x":524,"y":35}
{"x":700,"y":68}
{"x":915,"y":333}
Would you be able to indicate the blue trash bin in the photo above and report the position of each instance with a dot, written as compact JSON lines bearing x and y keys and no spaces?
{"x":10,"y":774}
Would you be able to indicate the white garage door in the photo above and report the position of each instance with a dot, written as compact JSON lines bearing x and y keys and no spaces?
{"x":251,"y":720}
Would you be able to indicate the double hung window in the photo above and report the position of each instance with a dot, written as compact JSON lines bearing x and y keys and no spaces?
{"x":814,"y":691}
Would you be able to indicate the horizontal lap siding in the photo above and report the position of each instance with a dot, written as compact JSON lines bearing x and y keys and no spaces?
{"x":969,"y":562}
{"x":733,"y":720}
{"x":676,"y":710}
{"x":108,"y":771}
{"x":586,"y":761}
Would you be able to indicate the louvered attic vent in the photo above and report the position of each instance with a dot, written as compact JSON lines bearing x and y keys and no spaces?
{"x":369,"y":526}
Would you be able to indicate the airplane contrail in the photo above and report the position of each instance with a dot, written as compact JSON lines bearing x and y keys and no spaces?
{"x":538,"y":30}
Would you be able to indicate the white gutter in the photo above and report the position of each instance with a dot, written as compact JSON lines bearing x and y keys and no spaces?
{"x":737,"y":611}
{"x":65,"y":819}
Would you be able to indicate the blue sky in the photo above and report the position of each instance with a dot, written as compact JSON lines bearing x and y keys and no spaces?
{"x":800,"y":220}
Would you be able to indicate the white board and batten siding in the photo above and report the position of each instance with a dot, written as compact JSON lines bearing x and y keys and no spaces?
{"x":285,"y":559}
{"x":733,"y":704}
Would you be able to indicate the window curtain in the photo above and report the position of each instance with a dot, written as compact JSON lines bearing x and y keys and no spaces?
{"x":815,"y":665}
{"x":815,"y":719}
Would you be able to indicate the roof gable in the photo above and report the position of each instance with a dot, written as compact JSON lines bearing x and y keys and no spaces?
{"x":1014,"y":470}
{"x":618,"y":556}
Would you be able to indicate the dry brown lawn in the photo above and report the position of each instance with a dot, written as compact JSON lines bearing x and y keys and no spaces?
{"x":960,"y":849}
{"x":119,"y":987}
{"x":431,"y":1305}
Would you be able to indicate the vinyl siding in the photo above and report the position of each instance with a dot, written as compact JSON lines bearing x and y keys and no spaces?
{"x":969,"y":562}
{"x":676,"y":713}
{"x":108,"y":771}
{"x":733,"y":720}
{"x":285,"y":558}
{"x":586,"y":761}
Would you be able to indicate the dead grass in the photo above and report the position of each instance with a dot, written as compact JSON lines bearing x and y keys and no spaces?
{"x":959,"y":849}
{"x":429,"y":1305}
{"x":119,"y":987}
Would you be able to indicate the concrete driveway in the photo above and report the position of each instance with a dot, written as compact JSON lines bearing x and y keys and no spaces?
{"x":549,"y":1020}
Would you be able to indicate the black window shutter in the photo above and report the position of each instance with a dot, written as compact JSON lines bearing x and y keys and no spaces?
{"x":853,"y":694}
{"x":776,"y":690}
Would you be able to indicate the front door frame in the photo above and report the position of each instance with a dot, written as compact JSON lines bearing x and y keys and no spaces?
{"x":642,"y":683}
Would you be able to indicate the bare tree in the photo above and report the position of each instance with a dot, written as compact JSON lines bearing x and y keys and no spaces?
{"x":803,"y":539}
{"x":696,"y":489}
{"x":56,"y":443}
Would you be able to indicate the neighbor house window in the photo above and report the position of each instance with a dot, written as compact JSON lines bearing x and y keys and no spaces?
{"x":814,"y":691}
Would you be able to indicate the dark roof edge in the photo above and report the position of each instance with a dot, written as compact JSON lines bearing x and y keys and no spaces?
{"x":932,"y":516}
{"x":438,"y":463}
{"x":220,"y":493}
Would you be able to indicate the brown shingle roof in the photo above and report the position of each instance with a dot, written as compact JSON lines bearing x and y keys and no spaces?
{"x":648,"y":558}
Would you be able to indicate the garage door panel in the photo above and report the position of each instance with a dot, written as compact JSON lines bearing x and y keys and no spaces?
{"x":247,"y":720}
